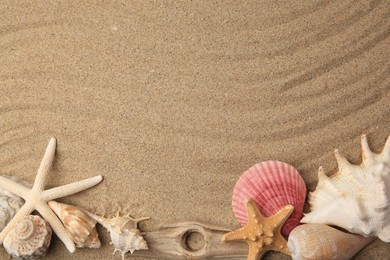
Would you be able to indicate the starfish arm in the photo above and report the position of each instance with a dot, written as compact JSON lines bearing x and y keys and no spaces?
{"x":56,"y":225}
{"x":253,"y":213}
{"x":14,"y":187}
{"x":26,"y":209}
{"x":280,"y":244}
{"x":255,"y":253}
{"x":71,"y":188}
{"x":282,"y":215}
{"x":45,"y":165}
{"x":239,"y":234}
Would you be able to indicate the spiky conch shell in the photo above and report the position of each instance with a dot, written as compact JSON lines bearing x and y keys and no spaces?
{"x":10,"y":203}
{"x":322,"y":242}
{"x":272,"y":185}
{"x":125,"y":236}
{"x":29,"y":239}
{"x":356,"y":198}
{"x":79,"y":225}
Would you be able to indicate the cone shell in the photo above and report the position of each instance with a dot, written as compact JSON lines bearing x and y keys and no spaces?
{"x":10,"y":203}
{"x":271,"y":185}
{"x":79,"y":225}
{"x":356,"y":198}
{"x":124,"y":233}
{"x":318,"y":241}
{"x":30,"y":238}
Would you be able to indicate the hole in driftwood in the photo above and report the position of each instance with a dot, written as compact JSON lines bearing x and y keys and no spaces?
{"x":193,"y":240}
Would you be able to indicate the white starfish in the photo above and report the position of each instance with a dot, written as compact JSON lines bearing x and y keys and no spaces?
{"x":36,"y":198}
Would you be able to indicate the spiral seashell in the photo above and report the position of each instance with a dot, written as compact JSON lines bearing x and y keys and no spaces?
{"x":318,"y":241}
{"x":30,"y":238}
{"x":356,"y":198}
{"x":128,"y":240}
{"x":272,"y":185}
{"x":10,"y":203}
{"x":79,"y":225}
{"x":124,"y":233}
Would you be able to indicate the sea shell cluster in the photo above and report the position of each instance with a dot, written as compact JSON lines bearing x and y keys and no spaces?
{"x":81,"y":226}
{"x":272,"y":185}
{"x":356,"y":197}
{"x":29,"y":239}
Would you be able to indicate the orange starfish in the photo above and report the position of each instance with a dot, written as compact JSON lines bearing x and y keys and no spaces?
{"x":262,"y":233}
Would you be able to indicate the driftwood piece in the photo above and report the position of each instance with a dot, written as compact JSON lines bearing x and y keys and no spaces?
{"x":172,"y":241}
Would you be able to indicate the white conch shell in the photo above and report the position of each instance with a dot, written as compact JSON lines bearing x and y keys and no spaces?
{"x":79,"y":225}
{"x":318,"y":241}
{"x":124,"y":233}
{"x":30,"y":238}
{"x":356,"y":198}
{"x":10,"y":203}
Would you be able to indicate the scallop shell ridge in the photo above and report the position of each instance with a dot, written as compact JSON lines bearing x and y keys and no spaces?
{"x":271,"y":185}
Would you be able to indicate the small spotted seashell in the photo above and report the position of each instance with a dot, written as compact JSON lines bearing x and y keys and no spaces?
{"x":30,"y":238}
{"x":79,"y":225}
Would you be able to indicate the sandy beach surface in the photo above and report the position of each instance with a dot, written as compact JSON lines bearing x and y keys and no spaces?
{"x":171,"y":101}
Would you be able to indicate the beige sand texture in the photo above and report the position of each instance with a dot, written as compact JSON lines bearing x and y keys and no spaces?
{"x":172,"y":100}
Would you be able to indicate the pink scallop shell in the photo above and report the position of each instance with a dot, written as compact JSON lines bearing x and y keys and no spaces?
{"x":272,"y":185}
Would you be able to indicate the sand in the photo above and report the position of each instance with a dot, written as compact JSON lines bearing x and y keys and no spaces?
{"x":172,"y":100}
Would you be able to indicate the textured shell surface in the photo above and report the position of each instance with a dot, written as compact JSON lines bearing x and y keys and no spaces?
{"x":356,"y":198}
{"x":80,"y":226}
{"x":124,"y":233}
{"x":128,"y":240}
{"x":30,"y":238}
{"x":271,"y":185}
{"x":10,"y":203}
{"x":322,"y":242}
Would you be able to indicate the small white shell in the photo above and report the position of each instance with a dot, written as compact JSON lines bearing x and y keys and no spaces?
{"x":10,"y":203}
{"x":128,"y":240}
{"x":356,"y":198}
{"x":124,"y":233}
{"x":318,"y":241}
{"x":79,"y":225}
{"x":29,"y":238}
